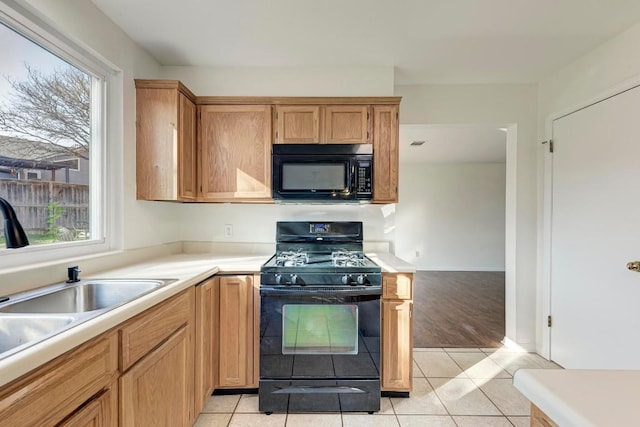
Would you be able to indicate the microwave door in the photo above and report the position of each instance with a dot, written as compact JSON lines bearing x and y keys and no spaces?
{"x":313,"y":179}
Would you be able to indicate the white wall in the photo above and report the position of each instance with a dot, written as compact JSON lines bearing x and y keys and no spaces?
{"x":612,"y":66}
{"x":514,"y":106}
{"x":144,"y":223}
{"x":453,"y":214}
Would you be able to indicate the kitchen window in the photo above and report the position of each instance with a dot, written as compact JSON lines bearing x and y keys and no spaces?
{"x":53,"y":123}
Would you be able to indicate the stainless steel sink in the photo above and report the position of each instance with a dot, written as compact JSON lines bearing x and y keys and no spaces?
{"x":19,"y":329}
{"x":33,"y":316}
{"x":84,"y":296}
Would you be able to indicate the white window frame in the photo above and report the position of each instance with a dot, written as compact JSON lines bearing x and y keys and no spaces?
{"x":105,"y":218}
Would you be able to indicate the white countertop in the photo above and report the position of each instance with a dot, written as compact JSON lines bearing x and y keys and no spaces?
{"x":583,"y":398}
{"x":391,"y":263}
{"x":188,"y":269}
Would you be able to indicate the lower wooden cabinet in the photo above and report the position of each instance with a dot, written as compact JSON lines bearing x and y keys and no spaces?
{"x":158,"y":391}
{"x":102,"y":411}
{"x":206,"y":343}
{"x":238,"y":332}
{"x":397,"y":332}
{"x":540,"y":419}
{"x":58,"y":389}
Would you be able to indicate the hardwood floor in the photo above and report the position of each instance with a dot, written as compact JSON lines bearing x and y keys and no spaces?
{"x":458,"y":309}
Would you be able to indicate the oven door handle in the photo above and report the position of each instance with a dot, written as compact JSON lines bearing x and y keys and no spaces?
{"x":355,"y":292}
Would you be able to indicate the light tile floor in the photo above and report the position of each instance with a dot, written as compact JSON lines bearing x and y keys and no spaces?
{"x":452,"y":387}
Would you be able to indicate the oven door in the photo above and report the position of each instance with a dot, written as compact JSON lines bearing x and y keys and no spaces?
{"x":319,"y":350}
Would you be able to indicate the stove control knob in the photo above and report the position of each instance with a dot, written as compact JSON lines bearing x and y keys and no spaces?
{"x":347,"y":280}
{"x":279,"y":279}
{"x":363,"y":280}
{"x":295,"y":280}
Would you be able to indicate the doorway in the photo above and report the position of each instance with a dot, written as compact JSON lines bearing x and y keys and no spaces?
{"x":451,"y":224}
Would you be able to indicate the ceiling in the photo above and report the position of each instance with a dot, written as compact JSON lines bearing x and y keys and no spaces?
{"x":453,"y":143}
{"x":426,"y":41}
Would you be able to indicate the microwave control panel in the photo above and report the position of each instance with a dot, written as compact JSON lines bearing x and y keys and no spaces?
{"x":364,"y":172}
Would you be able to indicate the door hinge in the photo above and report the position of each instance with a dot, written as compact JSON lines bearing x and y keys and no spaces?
{"x":550,"y":142}
{"x":549,"y":321}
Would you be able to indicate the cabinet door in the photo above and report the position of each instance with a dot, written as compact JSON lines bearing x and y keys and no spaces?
{"x":156,"y":144}
{"x":235,"y":147}
{"x":158,"y":391}
{"x":99,"y":412}
{"x":236,"y":333}
{"x":385,"y":153}
{"x":297,"y":124}
{"x":187,"y":149}
{"x":346,"y":124}
{"x":397,"y":345}
{"x":206,"y":358}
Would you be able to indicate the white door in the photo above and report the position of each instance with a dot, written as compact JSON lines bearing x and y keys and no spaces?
{"x":595,"y":231}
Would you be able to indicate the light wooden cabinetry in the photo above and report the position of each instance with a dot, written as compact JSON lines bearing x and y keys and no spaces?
{"x":157,"y":365}
{"x":56,"y":390}
{"x":385,"y":153}
{"x":102,"y":411}
{"x":397,"y":338}
{"x":330,"y":124}
{"x":297,"y":124}
{"x":347,"y":124}
{"x":141,"y":334}
{"x":238,"y":301}
{"x":218,"y":149}
{"x":159,"y":389}
{"x":165,"y":141}
{"x":235,"y":152}
{"x":540,"y":419}
{"x":206,"y":343}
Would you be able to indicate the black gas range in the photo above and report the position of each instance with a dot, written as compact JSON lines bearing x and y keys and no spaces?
{"x":319,"y":321}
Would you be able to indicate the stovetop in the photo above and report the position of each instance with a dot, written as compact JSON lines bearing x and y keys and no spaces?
{"x":319,"y":254}
{"x":320,"y":260}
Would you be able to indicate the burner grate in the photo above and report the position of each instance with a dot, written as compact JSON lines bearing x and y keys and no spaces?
{"x":291,"y":259}
{"x":348,"y":259}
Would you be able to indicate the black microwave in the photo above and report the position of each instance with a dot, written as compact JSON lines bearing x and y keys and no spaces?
{"x":322,"y":172}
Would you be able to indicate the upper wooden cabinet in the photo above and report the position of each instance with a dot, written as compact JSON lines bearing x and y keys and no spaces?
{"x":218,"y":149}
{"x":347,"y":124}
{"x":165,"y":141}
{"x":235,"y":152}
{"x":330,"y":124}
{"x":385,"y":153}
{"x":297,"y":124}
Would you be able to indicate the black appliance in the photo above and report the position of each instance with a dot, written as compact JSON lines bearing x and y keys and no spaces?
{"x":319,"y":321}
{"x":322,"y":172}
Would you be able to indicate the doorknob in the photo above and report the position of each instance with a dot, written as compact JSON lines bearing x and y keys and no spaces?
{"x":634,"y":266}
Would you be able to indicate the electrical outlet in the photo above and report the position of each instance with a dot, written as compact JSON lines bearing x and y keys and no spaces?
{"x":417,"y":254}
{"x":228,"y":231}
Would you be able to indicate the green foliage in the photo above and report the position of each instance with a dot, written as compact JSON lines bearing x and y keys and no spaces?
{"x":54,"y":212}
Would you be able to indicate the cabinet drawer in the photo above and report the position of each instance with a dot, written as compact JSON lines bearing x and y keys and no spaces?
{"x":146,"y":331}
{"x":51,"y":393}
{"x":99,"y":412}
{"x":397,"y":286}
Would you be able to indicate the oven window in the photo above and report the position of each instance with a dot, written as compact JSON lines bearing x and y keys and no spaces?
{"x":320,"y":329}
{"x":314,"y":176}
